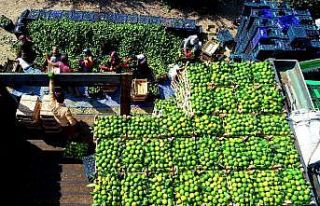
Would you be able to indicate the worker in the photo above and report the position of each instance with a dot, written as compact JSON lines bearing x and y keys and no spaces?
{"x":174,"y":71}
{"x":143,"y":69}
{"x":54,"y":57}
{"x":25,"y":49}
{"x":26,"y":67}
{"x":63,"y":64}
{"x":113,"y":64}
{"x":61,"y":113}
{"x":191,"y":46}
{"x":87,"y":63}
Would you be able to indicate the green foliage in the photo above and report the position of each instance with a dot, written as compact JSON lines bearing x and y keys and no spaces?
{"x":159,"y":45}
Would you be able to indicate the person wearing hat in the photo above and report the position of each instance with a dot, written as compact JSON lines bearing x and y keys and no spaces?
{"x":87,"y":63}
{"x":63,"y":64}
{"x":52,"y":58}
{"x":191,"y":46}
{"x":25,"y":49}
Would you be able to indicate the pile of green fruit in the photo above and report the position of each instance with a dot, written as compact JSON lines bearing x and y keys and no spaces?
{"x":184,"y":154}
{"x":178,"y":124}
{"x":267,"y":188}
{"x":110,"y":126}
{"x":186,"y":189}
{"x":201,"y":101}
{"x":214,"y":189}
{"x":108,"y":153}
{"x":107,"y":190}
{"x":271,"y":100}
{"x":235,"y":154}
{"x":248,"y":99}
{"x":260,"y":153}
{"x":221,"y":74}
{"x":166,"y":106}
{"x":235,"y":148}
{"x":240,"y":124}
{"x":75,"y":150}
{"x":133,"y":156}
{"x":223,"y":100}
{"x":207,"y":125}
{"x":262,"y":73}
{"x":242,"y":73}
{"x":143,"y":126}
{"x":134,"y":189}
{"x":199,"y":75}
{"x":274,"y":124}
{"x":294,"y":187}
{"x":158,"y":155}
{"x":285,"y":153}
{"x":209,"y":153}
{"x":161,"y":190}
{"x":241,"y":188}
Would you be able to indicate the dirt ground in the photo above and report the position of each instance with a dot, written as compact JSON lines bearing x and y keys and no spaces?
{"x":222,"y":15}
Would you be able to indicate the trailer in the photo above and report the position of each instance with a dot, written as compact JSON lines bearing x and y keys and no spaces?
{"x":304,"y":118}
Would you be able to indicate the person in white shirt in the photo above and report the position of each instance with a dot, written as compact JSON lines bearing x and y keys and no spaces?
{"x":192,"y":46}
{"x":26,"y":67}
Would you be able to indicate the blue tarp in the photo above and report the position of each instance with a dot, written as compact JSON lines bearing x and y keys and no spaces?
{"x":266,"y":13}
{"x":166,"y":90}
{"x":286,"y":21}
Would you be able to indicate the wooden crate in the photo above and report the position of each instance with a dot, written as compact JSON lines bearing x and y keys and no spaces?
{"x":210,"y":48}
{"x":139,"y":89}
{"x":29,"y":109}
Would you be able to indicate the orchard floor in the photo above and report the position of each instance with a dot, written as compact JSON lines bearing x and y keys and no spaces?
{"x":219,"y":15}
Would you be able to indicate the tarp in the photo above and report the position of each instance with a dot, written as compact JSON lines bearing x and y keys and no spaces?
{"x":306,"y":125}
{"x":286,"y":21}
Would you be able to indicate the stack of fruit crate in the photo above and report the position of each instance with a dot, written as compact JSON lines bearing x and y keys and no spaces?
{"x":28,"y":112}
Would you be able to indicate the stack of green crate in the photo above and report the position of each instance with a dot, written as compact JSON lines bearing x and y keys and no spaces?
{"x":314,"y":89}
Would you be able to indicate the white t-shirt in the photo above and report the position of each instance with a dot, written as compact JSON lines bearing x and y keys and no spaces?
{"x":23,"y":63}
{"x":173,"y":72}
{"x":318,"y":23}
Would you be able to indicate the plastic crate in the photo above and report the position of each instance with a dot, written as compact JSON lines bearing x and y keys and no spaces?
{"x":45,"y":14}
{"x":224,"y":36}
{"x":314,"y":89}
{"x":263,"y":51}
{"x":286,"y":21}
{"x":305,"y":20}
{"x":34,"y":14}
{"x":190,"y":24}
{"x":315,"y":44}
{"x":89,"y":16}
{"x":131,"y":18}
{"x":55,"y":15}
{"x":296,"y":33}
{"x":313,"y":34}
{"x":283,"y":46}
{"x":155,"y":20}
{"x":76,"y":15}
{"x":144,"y":19}
{"x":103,"y":16}
{"x":299,"y":12}
{"x":120,"y":18}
